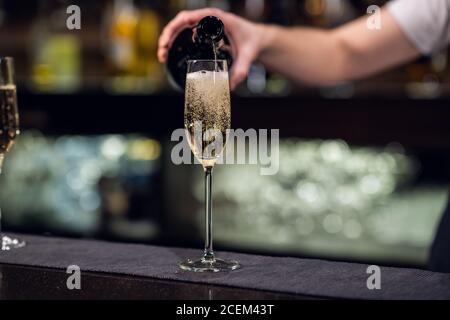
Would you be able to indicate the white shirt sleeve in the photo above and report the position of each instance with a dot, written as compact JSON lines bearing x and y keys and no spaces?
{"x":426,"y":23}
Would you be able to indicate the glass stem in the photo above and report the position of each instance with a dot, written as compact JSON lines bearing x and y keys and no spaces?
{"x":208,"y":253}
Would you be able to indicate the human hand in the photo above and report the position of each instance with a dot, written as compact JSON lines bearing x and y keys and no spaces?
{"x":245,"y":37}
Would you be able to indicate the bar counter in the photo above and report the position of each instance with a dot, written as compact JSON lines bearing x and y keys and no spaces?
{"x":134,"y":271}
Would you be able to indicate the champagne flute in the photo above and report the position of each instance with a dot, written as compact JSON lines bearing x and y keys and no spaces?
{"x":9,"y":129}
{"x":207,"y":118}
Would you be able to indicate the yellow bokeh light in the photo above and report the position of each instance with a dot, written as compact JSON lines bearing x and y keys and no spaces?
{"x":144,"y":149}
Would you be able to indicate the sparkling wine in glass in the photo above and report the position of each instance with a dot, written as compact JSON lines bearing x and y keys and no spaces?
{"x":9,"y":129}
{"x":207,"y":118}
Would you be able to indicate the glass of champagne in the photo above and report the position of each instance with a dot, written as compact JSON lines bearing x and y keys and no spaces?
{"x":9,"y":129}
{"x":207,"y":118}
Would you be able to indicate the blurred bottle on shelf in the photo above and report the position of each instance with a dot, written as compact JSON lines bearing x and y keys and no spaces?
{"x":332,"y":13}
{"x":121,"y":33}
{"x":56,"y":60}
{"x":146,"y":44}
{"x":315,"y":11}
{"x":133,"y":31}
{"x":425,"y":76}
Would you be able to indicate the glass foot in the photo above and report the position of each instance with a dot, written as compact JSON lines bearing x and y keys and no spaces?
{"x":209,"y":265}
{"x":11,"y":243}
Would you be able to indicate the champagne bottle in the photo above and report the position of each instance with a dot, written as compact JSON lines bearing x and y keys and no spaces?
{"x":207,"y":40}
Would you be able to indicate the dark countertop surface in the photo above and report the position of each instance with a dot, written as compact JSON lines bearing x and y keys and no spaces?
{"x":136,"y":271}
{"x":23,"y":282}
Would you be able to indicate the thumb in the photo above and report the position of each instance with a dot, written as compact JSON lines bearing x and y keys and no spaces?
{"x":240,"y":69}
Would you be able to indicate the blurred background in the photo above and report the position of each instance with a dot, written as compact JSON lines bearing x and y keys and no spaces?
{"x":364,"y":166}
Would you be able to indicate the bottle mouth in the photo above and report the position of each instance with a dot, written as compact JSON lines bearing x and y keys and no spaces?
{"x":210,"y":29}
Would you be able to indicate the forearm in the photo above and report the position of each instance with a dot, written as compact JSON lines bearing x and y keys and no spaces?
{"x":319,"y":57}
{"x":305,"y":55}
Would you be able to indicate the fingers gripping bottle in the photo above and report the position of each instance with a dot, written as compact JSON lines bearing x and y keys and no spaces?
{"x":206,"y":40}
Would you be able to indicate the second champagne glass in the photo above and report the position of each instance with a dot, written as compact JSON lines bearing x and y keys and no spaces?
{"x":207,"y":118}
{"x":9,"y":129}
